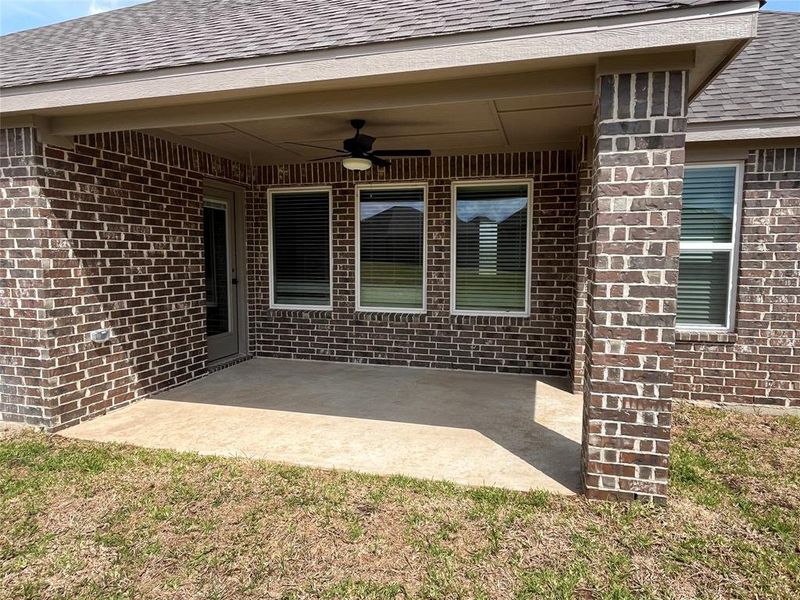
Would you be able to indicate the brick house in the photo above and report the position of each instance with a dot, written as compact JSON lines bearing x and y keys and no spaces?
{"x":169,"y":204}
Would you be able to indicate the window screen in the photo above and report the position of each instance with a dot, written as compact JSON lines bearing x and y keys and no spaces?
{"x":491,"y":248}
{"x":301,"y":248}
{"x":391,"y":249}
{"x":707,"y":242}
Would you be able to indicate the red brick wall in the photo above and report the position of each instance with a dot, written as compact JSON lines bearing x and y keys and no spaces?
{"x":539,"y":344}
{"x":118,"y":221}
{"x":760,"y":362}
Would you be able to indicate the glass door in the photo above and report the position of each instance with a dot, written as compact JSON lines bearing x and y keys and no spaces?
{"x":219,"y":234}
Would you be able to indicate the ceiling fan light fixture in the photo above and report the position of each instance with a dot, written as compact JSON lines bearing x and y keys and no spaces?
{"x":357,"y":153}
{"x":356,"y":163}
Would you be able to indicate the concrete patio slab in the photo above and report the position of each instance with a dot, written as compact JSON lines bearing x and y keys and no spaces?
{"x":513,"y":431}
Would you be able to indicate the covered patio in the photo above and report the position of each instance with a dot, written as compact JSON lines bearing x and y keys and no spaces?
{"x":513,"y":431}
{"x":502,"y":202}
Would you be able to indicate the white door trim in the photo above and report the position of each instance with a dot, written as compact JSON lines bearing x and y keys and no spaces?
{"x":236,"y":195}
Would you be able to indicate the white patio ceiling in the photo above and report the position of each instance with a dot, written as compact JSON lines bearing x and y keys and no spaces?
{"x":478,"y":126}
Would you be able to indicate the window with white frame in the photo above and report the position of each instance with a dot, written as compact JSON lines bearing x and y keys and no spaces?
{"x":391,"y":248}
{"x":491,"y":248}
{"x":709,"y":234}
{"x":300,"y":248}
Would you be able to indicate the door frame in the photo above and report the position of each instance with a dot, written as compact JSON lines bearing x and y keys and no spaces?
{"x":240,"y":255}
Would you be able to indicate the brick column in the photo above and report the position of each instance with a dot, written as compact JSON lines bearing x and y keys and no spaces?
{"x":634,"y":234}
{"x":24,"y":343}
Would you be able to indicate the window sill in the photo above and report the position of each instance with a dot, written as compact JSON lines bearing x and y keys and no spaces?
{"x":489,"y":313}
{"x":712,"y":337}
{"x":391,"y":312}
{"x":301,"y":309}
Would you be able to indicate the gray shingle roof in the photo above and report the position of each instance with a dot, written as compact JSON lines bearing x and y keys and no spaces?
{"x":763,"y":81}
{"x":171,"y":33}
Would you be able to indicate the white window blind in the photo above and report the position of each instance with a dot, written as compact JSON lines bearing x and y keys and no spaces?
{"x":300,"y":248}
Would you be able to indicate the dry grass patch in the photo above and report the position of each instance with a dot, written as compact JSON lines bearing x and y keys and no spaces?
{"x":84,"y":520}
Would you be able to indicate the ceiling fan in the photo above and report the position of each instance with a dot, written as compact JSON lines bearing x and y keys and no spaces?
{"x":357,"y":153}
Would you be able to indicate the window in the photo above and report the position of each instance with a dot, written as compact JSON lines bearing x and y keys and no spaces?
{"x":709,"y":232}
{"x":391,"y":248}
{"x":215,"y":237}
{"x":491,"y":248}
{"x":300,"y":248}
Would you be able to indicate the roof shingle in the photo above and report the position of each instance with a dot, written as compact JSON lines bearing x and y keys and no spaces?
{"x":172,"y":33}
{"x":763,"y":81}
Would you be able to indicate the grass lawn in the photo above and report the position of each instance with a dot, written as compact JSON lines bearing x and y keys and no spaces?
{"x":85,"y":520}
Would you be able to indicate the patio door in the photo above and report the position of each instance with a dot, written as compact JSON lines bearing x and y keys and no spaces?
{"x":221,"y":274}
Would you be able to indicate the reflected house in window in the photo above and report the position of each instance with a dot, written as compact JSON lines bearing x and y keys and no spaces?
{"x":392,"y":248}
{"x":498,"y":243}
{"x":491,"y":247}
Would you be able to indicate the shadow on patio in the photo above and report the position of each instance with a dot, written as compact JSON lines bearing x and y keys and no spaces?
{"x":512,"y":431}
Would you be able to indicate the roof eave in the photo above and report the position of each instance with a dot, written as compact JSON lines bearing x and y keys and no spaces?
{"x":743,"y":129}
{"x":685,"y":27}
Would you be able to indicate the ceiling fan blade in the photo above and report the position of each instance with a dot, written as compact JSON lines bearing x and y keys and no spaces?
{"x":402,"y":152}
{"x":336,"y":156}
{"x":317,"y":147}
{"x":378,"y":161}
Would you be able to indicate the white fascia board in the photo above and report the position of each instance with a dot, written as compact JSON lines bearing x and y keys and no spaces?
{"x":681,"y":27}
{"x":569,"y":81}
{"x":743,"y":130}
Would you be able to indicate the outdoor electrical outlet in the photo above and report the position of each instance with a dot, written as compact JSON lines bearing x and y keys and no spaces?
{"x":101,"y":335}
